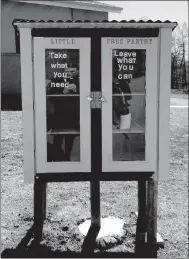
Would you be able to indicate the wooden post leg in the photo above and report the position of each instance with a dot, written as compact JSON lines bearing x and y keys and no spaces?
{"x":39,"y":208}
{"x":45,"y":199}
{"x":141,"y":220}
{"x":95,"y":203}
{"x":90,"y":239}
{"x":152,"y":217}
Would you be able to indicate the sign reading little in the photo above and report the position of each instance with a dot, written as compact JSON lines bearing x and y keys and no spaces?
{"x":59,"y":62}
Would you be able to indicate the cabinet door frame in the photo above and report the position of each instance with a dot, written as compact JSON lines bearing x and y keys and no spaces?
{"x":84,"y":165}
{"x":150,"y":163}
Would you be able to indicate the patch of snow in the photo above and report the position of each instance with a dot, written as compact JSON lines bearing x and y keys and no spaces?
{"x":110,"y":226}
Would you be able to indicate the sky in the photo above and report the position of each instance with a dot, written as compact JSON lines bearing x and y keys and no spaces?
{"x":175,"y":11}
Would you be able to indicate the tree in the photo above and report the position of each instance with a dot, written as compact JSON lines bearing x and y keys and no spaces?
{"x":179,"y":74}
{"x":179,"y":56}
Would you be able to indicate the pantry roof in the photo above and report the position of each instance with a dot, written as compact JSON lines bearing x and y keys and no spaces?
{"x":93,"y":24}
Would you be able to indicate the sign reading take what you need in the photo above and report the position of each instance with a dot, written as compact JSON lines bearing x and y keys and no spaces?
{"x":59,"y":64}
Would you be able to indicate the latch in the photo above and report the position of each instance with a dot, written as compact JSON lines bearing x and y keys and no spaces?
{"x":96,"y":100}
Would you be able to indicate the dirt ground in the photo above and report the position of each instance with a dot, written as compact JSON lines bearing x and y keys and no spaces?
{"x":68,"y":204}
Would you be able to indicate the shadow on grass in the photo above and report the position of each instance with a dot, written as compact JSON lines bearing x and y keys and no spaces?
{"x":29,"y":248}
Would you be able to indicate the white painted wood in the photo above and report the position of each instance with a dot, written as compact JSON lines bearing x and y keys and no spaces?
{"x":164,"y":102}
{"x":178,"y":106}
{"x":83,"y":44}
{"x":158,"y":93}
{"x":151,"y":108}
{"x":95,"y":25}
{"x":27,"y":103}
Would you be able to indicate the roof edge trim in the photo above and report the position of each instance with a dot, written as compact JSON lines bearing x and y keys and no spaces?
{"x":99,"y":24}
{"x":75,"y":5}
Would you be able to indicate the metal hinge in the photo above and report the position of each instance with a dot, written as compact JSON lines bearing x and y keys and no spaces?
{"x":32,"y":56}
{"x":96,"y":100}
{"x":33,"y":106}
{"x":34,"y":153}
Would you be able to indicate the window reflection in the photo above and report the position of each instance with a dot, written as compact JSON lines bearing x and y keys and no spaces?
{"x":62,"y":105}
{"x":128,"y":147}
{"x":63,"y":147}
{"x":128,"y":104}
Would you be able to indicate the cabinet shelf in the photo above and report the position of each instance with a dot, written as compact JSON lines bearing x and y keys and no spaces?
{"x":63,"y":132}
{"x":62,"y":95}
{"x":132,"y":94}
{"x":135,"y":128}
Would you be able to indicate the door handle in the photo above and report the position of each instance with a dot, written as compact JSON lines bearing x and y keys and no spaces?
{"x":96,"y":100}
{"x":89,"y":98}
{"x":102,"y":99}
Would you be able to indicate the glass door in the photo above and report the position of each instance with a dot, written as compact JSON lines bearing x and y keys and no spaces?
{"x":129,"y":115}
{"x":62,"y":112}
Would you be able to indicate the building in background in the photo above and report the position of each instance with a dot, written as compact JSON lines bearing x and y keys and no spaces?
{"x":38,"y":10}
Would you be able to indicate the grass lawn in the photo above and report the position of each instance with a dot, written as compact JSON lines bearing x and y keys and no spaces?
{"x":68,"y":204}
